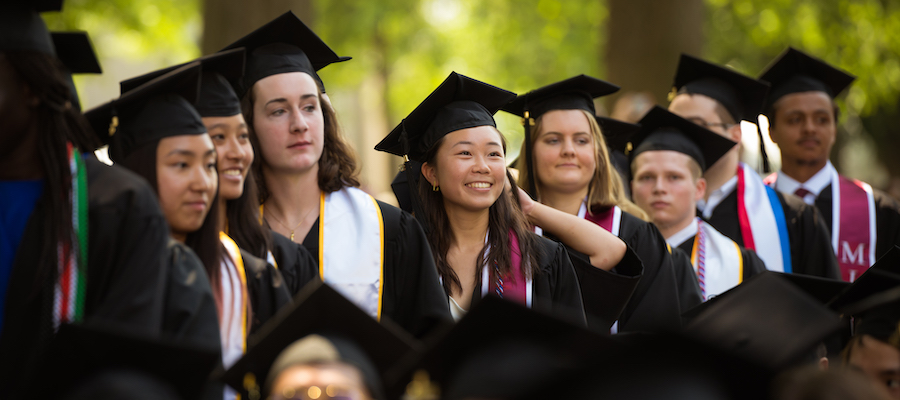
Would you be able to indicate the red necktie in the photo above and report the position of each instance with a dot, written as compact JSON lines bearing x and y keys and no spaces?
{"x":801,"y":192}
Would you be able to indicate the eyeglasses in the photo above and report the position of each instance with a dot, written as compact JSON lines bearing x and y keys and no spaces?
{"x":330,"y":392}
{"x":702,"y":122}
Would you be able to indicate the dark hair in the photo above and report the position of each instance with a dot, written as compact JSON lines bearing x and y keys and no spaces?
{"x":503,"y":216}
{"x":204,"y":241}
{"x":57,"y":122}
{"x":242,"y":217}
{"x":337,"y":165}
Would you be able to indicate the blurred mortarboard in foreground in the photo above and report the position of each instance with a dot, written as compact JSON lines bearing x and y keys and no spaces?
{"x":283,"y":45}
{"x":873,"y":300}
{"x":765,"y":319}
{"x":795,"y":71}
{"x":742,"y":96}
{"x":155,"y":110}
{"x":355,"y":338}
{"x":23,"y":29}
{"x":878,"y":278}
{"x":663,"y":130}
{"x":80,"y":352}
{"x":77,"y":55}
{"x":217,"y":97}
{"x":458,"y":103}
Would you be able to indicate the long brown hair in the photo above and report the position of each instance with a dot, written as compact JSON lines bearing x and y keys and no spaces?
{"x":605,"y":188}
{"x":337,"y":165}
{"x":57,"y":122}
{"x":242,"y":221}
{"x":503,"y":216}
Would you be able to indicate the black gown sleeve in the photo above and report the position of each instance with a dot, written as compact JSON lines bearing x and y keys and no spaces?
{"x":296,"y":265}
{"x":811,"y":251}
{"x":412,"y":293}
{"x":606,"y":293}
{"x":189,"y":313}
{"x":557,"y":290}
{"x":887,"y":220}
{"x":655,"y":304}
{"x":266,"y":289}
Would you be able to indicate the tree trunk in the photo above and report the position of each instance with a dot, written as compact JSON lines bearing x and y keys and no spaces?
{"x":225,"y":21}
{"x":645,"y":39}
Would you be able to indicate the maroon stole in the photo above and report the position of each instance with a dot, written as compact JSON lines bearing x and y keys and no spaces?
{"x":853,"y":226}
{"x":514,"y":286}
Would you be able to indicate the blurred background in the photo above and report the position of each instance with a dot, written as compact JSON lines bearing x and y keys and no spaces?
{"x":402,"y":49}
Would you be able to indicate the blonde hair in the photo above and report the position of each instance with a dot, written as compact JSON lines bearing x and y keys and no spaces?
{"x":606,"y":188}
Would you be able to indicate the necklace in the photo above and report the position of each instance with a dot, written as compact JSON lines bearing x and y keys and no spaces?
{"x":262,"y":212}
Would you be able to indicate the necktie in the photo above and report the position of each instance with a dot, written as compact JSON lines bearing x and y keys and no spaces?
{"x":801,"y":192}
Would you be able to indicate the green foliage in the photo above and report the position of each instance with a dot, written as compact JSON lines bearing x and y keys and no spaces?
{"x":860,"y":36}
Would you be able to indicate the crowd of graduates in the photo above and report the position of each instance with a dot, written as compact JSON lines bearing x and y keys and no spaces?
{"x":228,"y":251}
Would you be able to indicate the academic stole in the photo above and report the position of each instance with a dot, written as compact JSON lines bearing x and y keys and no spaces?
{"x":762,"y":222}
{"x":513,"y":286}
{"x":71,"y":283}
{"x":713,"y":257}
{"x":853,"y":224}
{"x":234,"y":252}
{"x":351,"y":247}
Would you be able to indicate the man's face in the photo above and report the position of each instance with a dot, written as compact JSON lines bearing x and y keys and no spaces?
{"x":879,"y":361}
{"x":665,"y":188}
{"x":804,"y":127}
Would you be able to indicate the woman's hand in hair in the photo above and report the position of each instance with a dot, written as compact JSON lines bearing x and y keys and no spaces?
{"x":522,"y":198}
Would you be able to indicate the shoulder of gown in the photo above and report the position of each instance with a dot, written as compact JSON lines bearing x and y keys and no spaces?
{"x":265,"y":287}
{"x":296,"y":265}
{"x":557,"y":289}
{"x":811,"y":251}
{"x":189,"y":315}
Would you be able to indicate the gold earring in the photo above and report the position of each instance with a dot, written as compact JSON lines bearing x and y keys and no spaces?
{"x":435,"y":188}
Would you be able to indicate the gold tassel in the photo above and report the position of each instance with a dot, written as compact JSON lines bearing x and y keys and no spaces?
{"x":113,"y":125}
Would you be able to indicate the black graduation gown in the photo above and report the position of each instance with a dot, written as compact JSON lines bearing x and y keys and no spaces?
{"x":656,"y":304}
{"x":606,"y":293}
{"x":753,"y":265}
{"x":811,"y":251}
{"x":266,"y":289}
{"x":126,"y":274}
{"x":686,"y":279}
{"x":556,"y":287}
{"x":189,"y":310}
{"x":296,"y":265}
{"x":412,"y":293}
{"x":887,"y":218}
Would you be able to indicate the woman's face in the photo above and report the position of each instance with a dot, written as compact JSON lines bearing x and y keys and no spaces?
{"x":288,"y":121}
{"x":564,"y":152}
{"x":234,"y":151}
{"x":470,"y":168}
{"x":187,"y":180}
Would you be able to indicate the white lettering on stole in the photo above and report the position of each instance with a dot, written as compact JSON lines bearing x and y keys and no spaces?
{"x":853,"y":257}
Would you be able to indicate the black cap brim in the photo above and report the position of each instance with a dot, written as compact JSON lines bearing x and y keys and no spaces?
{"x":229,"y":64}
{"x":576,"y":92}
{"x":741,"y":95}
{"x":795,"y":71}
{"x":662,"y":130}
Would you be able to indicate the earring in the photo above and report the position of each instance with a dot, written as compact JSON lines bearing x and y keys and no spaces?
{"x":435,"y":188}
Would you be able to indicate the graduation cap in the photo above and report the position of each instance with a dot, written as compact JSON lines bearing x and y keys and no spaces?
{"x":766,"y":319}
{"x":663,"y":130}
{"x":217,"y":97}
{"x":880,"y":277}
{"x":283,"y":45}
{"x":795,"y":71}
{"x":617,"y":133}
{"x":77,"y":55}
{"x":23,"y":29}
{"x":80,"y":352}
{"x":500,"y":349}
{"x":342,"y":332}
{"x":155,"y":110}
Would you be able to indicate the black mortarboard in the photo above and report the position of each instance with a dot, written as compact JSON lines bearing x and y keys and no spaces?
{"x":879,"y":315}
{"x":371,"y":346}
{"x":79,"y":352}
{"x":502,"y":349}
{"x":795,"y":71}
{"x":155,"y":110}
{"x":77,"y":55}
{"x":617,"y":133}
{"x":663,"y":130}
{"x":878,"y":278}
{"x":283,"y":45}
{"x":23,"y":29}
{"x":458,"y":103}
{"x":765,"y":319}
{"x":217,"y":98}
{"x":741,"y":95}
